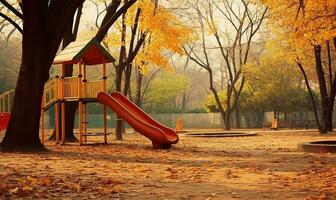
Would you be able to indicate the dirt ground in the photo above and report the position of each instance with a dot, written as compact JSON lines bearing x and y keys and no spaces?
{"x":266,"y":166}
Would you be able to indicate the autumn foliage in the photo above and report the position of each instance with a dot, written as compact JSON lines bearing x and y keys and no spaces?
{"x":165,"y":34}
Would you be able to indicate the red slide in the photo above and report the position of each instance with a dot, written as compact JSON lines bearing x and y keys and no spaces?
{"x":4,"y":119}
{"x":161,"y":136}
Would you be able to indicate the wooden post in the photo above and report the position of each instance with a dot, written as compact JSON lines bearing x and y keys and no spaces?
{"x":63,"y":106}
{"x":84,"y":81}
{"x":42,"y":119}
{"x":58,"y":98}
{"x":9,"y":101}
{"x":85,"y":108}
{"x":85,"y":122}
{"x":3,"y":104}
{"x":42,"y":126}
{"x":80,"y":106}
{"x":104,"y":106}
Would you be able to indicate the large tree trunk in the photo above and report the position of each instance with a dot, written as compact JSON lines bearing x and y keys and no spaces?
{"x":42,"y":33}
{"x":329,"y":116}
{"x":323,"y":88}
{"x":23,"y":129}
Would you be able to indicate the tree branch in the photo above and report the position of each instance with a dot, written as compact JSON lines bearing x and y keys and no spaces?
{"x":12,"y":22}
{"x":111,"y":16}
{"x":11,"y":8}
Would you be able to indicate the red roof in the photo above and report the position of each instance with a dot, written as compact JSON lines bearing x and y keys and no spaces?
{"x":90,"y":51}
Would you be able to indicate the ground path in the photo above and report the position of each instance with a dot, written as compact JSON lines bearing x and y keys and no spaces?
{"x":260,"y":167}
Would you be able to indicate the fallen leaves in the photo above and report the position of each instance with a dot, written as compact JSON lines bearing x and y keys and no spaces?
{"x":197,"y":170}
{"x":39,"y":186}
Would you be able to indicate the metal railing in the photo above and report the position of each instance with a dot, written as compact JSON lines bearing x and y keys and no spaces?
{"x":5,"y":101}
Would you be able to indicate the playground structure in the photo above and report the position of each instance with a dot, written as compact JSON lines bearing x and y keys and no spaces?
{"x":61,"y":89}
{"x":5,"y":106}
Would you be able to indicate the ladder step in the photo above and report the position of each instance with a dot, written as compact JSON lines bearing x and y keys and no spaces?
{"x":85,"y":122}
{"x":95,"y":134}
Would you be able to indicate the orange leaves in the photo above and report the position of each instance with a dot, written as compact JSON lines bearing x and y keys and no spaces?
{"x":312,"y":22}
{"x":47,"y":186}
{"x":165,"y":34}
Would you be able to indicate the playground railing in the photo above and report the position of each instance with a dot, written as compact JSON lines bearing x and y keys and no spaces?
{"x":71,"y":85}
{"x":51,"y":92}
{"x":93,"y":88}
{"x":5,"y":101}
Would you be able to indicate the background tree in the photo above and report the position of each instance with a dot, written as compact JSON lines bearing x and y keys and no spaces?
{"x":147,"y":32}
{"x":165,"y":91}
{"x":232,"y":43}
{"x":311,"y":23}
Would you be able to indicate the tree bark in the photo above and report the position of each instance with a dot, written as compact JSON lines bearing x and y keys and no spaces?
{"x":237,"y":113}
{"x":323,"y":88}
{"x":23,"y":128}
{"x":139,"y":78}
{"x":42,"y":33}
{"x":120,"y":123}
{"x":317,"y":121}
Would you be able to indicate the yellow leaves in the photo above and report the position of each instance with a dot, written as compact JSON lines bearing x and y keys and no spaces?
{"x":113,"y":39}
{"x":165,"y":34}
{"x":311,"y":23}
{"x":165,"y":31}
{"x":212,"y":28}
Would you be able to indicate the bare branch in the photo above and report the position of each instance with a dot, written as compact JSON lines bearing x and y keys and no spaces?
{"x":11,"y":8}
{"x":12,"y":22}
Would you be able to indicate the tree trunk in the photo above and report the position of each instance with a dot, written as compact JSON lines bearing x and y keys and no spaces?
{"x":260,"y":119}
{"x":214,"y":92}
{"x":70,"y":111}
{"x":120,"y":128}
{"x":228,"y":111}
{"x":317,"y":120}
{"x":227,"y":122}
{"x":139,"y":77}
{"x":183,"y":102}
{"x":23,"y":128}
{"x":43,"y":30}
{"x":329,"y":117}
{"x":323,"y":88}
{"x":237,"y":113}
{"x":128,"y":74}
{"x":26,"y":108}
